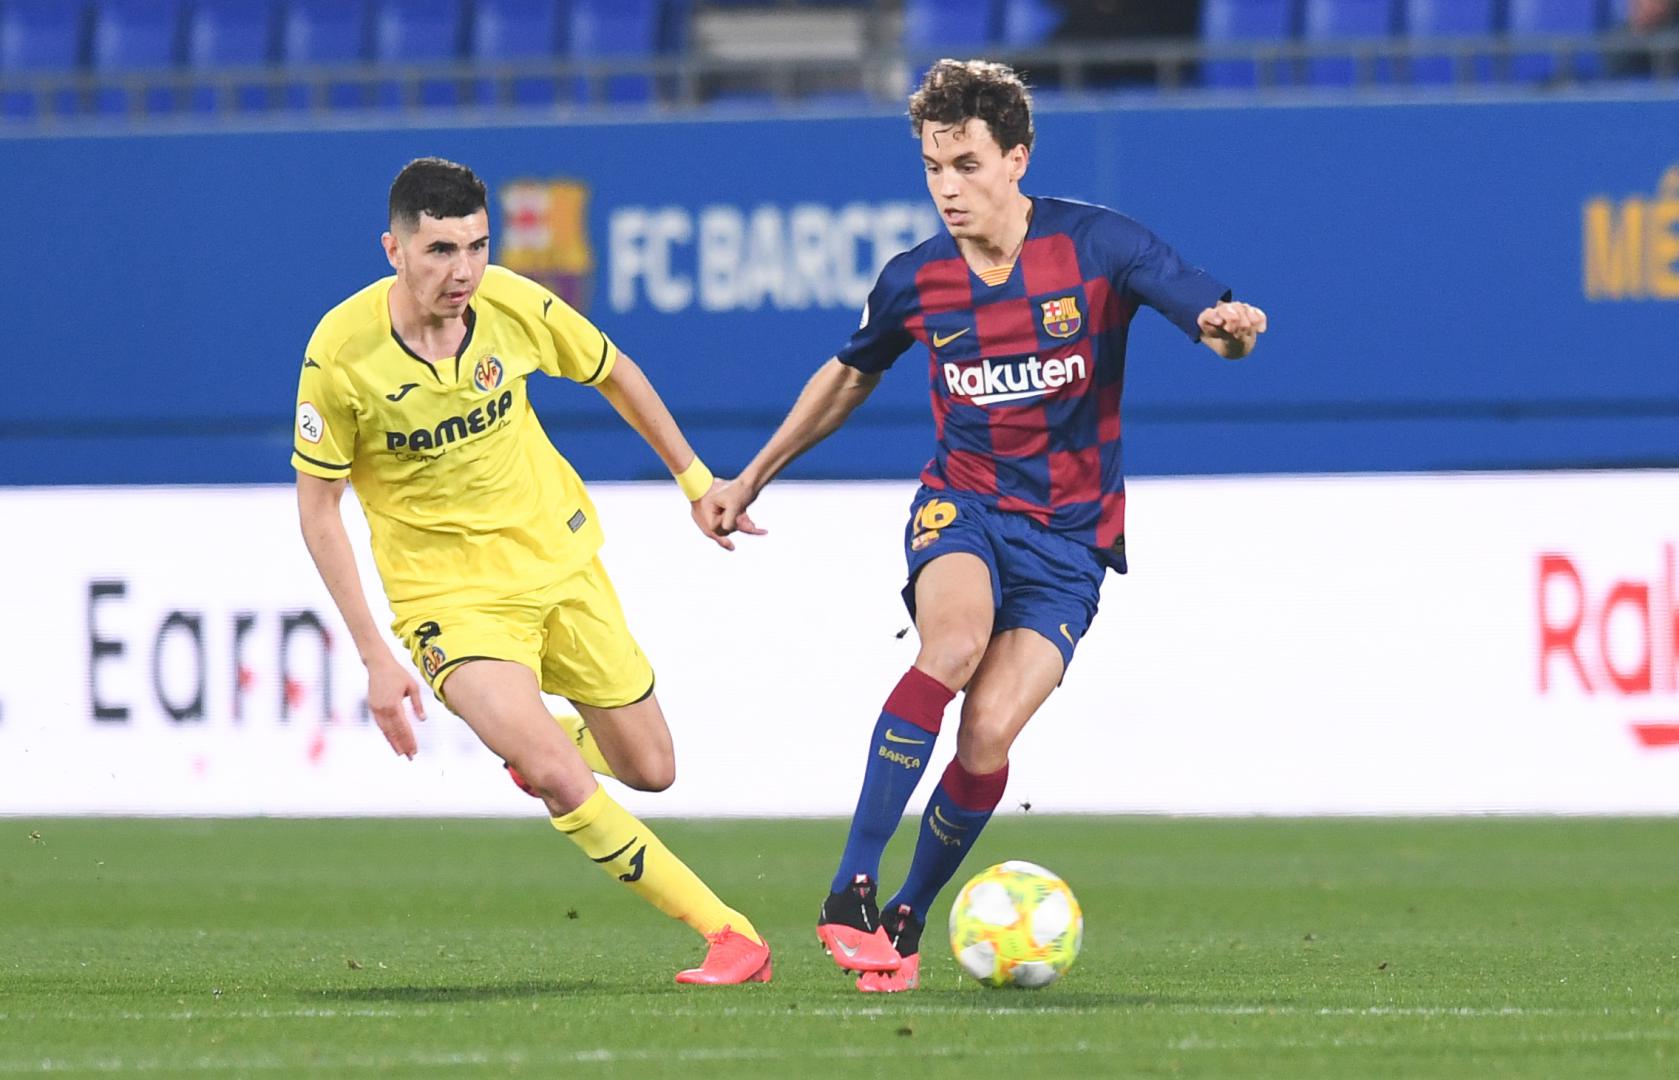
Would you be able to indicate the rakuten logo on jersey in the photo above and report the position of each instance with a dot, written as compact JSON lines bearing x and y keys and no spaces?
{"x":989,"y":382}
{"x":1621,"y":639}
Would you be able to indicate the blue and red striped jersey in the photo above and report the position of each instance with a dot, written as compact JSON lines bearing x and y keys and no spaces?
{"x":1026,"y":376}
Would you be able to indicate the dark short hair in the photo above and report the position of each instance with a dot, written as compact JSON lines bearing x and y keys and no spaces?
{"x":431,"y":185}
{"x":955,"y":91}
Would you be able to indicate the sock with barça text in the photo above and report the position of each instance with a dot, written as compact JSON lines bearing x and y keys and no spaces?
{"x":958,"y":810}
{"x":898,"y":751}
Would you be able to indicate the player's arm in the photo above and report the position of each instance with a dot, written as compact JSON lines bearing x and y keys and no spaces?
{"x":827,"y":400}
{"x":631,"y":393}
{"x":1231,"y":328}
{"x":1188,"y":296}
{"x":388,"y":682}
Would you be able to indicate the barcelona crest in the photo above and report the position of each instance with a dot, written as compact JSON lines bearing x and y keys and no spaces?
{"x":545,"y":236}
{"x":1061,"y":316}
{"x":487,"y":375}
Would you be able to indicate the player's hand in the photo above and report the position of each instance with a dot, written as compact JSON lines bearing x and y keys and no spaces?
{"x":1231,"y":328}
{"x":722,"y":511}
{"x":388,"y":685}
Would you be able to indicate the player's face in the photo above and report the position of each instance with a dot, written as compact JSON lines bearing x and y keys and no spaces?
{"x":442,"y":261}
{"x":973,"y":181}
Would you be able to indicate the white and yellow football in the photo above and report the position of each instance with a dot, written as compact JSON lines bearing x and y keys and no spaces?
{"x":1016,"y":924}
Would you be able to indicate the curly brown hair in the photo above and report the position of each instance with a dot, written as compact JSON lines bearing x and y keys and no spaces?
{"x":954,"y":91}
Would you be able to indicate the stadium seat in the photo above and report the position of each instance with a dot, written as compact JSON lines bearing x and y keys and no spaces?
{"x":136,"y":36}
{"x":230,"y":34}
{"x":1226,"y":22}
{"x":944,"y":27}
{"x":516,"y":31}
{"x":1028,"y":22}
{"x":1425,"y":20}
{"x":1331,"y":21}
{"x":317,"y":33}
{"x":40,"y":37}
{"x":934,"y":25}
{"x":418,"y":32}
{"x":625,"y":30}
{"x":1553,"y":17}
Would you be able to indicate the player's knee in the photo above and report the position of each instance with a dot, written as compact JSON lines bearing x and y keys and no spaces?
{"x":555,"y":784}
{"x":952,"y":657}
{"x":987,"y":735}
{"x":651,"y":775}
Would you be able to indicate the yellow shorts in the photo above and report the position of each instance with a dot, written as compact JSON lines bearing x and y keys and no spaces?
{"x":571,"y":634}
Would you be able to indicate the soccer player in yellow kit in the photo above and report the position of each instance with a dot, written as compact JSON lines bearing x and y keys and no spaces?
{"x":485,"y":539}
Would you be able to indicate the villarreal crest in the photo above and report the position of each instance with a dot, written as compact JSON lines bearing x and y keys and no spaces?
{"x":486,"y":375}
{"x":1061,"y":316}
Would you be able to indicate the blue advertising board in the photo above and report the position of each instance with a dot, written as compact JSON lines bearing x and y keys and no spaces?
{"x":1450,"y":286}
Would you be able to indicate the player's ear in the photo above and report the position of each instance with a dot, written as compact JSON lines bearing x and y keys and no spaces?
{"x":393,"y":250}
{"x":1019,"y":159}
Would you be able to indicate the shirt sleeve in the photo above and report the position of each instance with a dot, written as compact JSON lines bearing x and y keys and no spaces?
{"x":324,"y":435}
{"x":569,"y":346}
{"x":581,"y":351}
{"x":881,"y":337}
{"x":1156,"y":275}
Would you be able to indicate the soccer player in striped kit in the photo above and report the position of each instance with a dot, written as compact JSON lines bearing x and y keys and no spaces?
{"x":1023,"y":304}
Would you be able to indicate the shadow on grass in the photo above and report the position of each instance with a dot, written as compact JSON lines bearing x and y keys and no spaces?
{"x":491,"y":992}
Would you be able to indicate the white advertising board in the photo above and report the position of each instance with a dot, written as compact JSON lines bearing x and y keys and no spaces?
{"x":1303,"y":645}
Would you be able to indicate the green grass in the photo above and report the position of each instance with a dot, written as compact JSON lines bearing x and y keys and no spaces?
{"x":1252,"y":948}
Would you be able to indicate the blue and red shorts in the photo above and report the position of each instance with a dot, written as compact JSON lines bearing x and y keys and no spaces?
{"x":1040,"y":580}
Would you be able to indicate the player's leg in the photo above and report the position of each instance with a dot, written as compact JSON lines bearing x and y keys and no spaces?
{"x":1051,"y":586}
{"x":501,"y":703}
{"x":583,"y":737}
{"x":591,"y":658}
{"x":1019,"y":672}
{"x":635,"y":742}
{"x":954,"y":601}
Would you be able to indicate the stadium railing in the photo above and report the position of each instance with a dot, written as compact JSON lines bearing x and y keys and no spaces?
{"x":1646,"y":64}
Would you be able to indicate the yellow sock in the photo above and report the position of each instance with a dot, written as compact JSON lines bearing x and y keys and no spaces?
{"x":627,"y":849}
{"x":586,"y":745}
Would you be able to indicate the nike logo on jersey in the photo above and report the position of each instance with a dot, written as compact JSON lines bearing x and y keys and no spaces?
{"x":941,"y":340}
{"x":402,"y":391}
{"x":991,"y":381}
{"x":545,"y":305}
{"x":308,"y":363}
{"x":1066,"y":635}
{"x":891,"y":737}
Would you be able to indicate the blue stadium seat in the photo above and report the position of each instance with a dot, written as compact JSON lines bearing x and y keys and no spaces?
{"x":136,"y":36}
{"x":622,"y":29}
{"x":40,"y":37}
{"x":419,"y":32}
{"x":1225,"y":22}
{"x":320,"y":33}
{"x":676,"y":22}
{"x":513,"y":31}
{"x":1430,"y":19}
{"x":934,"y":25}
{"x":1347,"y":20}
{"x":1553,"y":17}
{"x":1028,"y":22}
{"x":231,"y":34}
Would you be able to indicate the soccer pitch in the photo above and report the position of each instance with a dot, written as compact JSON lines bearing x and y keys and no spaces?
{"x":1213,"y":948}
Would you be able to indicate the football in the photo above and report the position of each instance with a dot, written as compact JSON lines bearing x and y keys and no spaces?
{"x":1016,"y":924}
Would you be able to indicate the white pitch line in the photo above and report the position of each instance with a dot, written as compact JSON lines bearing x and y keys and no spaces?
{"x":456,"y":1059}
{"x":917,"y":1050}
{"x":907,"y":1009}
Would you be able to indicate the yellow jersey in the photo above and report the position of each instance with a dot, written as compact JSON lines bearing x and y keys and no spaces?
{"x":464,"y":495}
